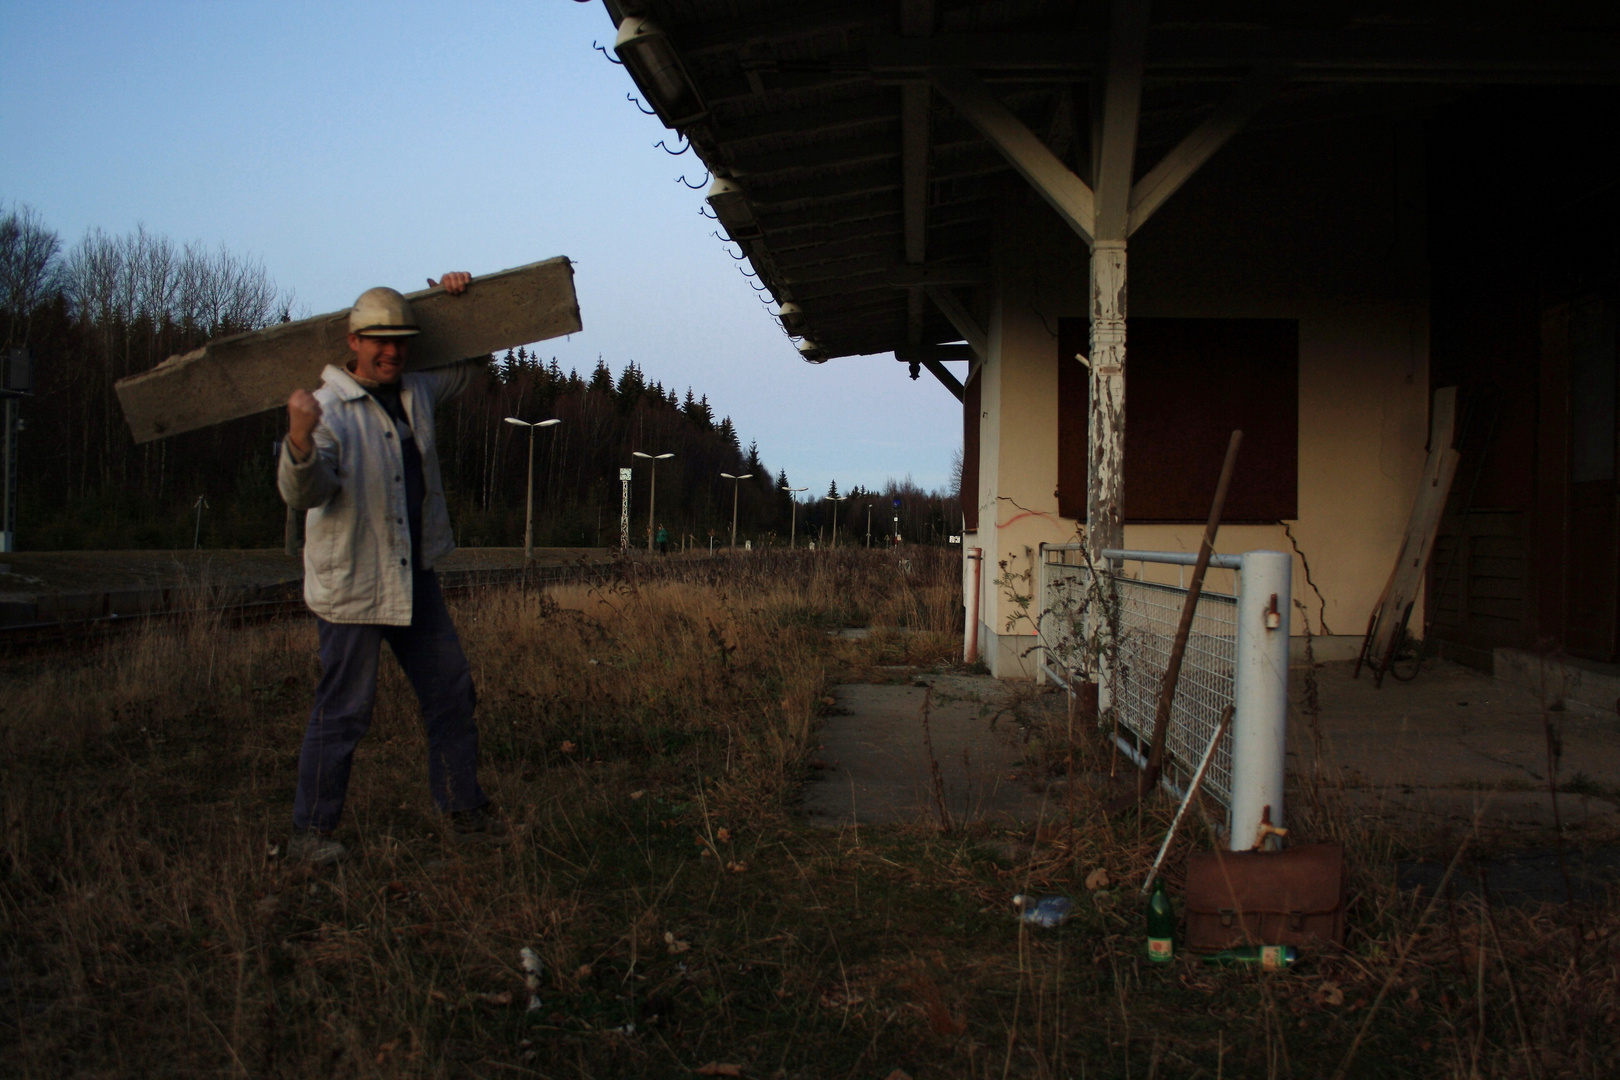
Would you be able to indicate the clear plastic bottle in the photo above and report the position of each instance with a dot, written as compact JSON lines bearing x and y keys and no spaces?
{"x":1048,"y":911}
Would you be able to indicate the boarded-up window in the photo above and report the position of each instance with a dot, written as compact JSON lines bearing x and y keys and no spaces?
{"x":1074,"y":397}
{"x":1188,"y":384}
{"x":971,"y":408}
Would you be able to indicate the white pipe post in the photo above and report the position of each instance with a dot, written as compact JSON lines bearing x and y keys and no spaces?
{"x":1260,"y":727}
{"x":970,"y":629}
{"x":1040,"y":613}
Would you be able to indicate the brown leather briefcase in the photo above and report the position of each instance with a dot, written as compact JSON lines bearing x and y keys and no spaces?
{"x":1292,"y":897}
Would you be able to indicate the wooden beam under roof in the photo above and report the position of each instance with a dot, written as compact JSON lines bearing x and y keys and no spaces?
{"x":961,"y":318}
{"x":938,"y":370}
{"x":802,"y":194}
{"x":914,"y":108}
{"x":874,"y":240}
{"x":840,"y":153}
{"x":882,"y":280}
{"x":1381,"y":54}
{"x":1121,"y":108}
{"x":1070,"y":196}
{"x":867,"y":110}
{"x":1178,"y":166}
{"x":852,"y":212}
{"x":796,"y":21}
{"x":916,"y":21}
{"x":948,"y":351}
{"x":897,"y":275}
{"x":880,"y":212}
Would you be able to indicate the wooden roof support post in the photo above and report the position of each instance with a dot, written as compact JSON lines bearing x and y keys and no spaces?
{"x":1116,"y":157}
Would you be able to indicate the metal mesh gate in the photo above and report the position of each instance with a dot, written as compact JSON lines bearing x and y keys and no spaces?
{"x":1074,"y":615}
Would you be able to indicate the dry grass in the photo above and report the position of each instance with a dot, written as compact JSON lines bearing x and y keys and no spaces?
{"x":649,"y":738}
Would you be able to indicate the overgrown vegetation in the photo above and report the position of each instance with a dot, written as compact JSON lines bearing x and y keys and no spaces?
{"x":649,"y":738}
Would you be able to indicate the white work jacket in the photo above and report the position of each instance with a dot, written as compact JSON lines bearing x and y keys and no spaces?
{"x":357,"y":536}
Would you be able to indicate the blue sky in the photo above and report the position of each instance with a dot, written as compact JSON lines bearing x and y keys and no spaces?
{"x":349,"y":145}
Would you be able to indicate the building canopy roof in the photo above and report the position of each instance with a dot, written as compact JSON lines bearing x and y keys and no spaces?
{"x":852,"y":185}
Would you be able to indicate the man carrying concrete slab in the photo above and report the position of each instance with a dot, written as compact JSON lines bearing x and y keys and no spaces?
{"x":360,"y":458}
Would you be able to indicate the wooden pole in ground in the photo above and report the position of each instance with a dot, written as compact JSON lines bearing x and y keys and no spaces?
{"x":1172,"y":669}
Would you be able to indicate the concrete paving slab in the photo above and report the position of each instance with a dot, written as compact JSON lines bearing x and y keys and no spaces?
{"x":877,"y":769}
{"x":1429,"y":808}
{"x":1565,"y":678}
{"x":1537,"y":877}
{"x":1420,"y":755}
{"x":1451,"y":727}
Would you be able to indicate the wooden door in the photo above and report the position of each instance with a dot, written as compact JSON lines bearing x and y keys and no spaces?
{"x":1592,"y":560}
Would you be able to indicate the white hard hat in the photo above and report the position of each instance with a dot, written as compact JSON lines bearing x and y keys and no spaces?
{"x":382,"y":312}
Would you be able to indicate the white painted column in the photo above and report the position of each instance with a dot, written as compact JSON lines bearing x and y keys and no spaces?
{"x":1105,"y":482}
{"x":1260,"y":725}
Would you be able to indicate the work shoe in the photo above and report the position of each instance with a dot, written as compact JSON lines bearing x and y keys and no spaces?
{"x":480,"y":825}
{"x":315,"y":848}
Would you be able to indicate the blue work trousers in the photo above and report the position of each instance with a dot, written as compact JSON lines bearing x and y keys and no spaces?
{"x":430,"y":654}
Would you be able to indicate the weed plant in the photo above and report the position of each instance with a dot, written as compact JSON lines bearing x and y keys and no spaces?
{"x":647,"y":739}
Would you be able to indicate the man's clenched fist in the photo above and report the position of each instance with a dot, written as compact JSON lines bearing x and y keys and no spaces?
{"x":303,"y":414}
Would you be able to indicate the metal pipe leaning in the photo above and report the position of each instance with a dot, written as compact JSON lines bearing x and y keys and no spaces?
{"x":1192,"y":790}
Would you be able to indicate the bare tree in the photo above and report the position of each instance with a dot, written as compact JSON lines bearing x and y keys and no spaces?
{"x":28,"y":264}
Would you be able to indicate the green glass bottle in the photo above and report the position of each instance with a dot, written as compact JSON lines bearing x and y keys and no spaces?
{"x":1267,"y":956}
{"x":1161,"y":925}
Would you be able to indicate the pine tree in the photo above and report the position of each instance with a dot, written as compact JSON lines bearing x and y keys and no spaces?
{"x":832,"y":490}
{"x":697,"y":411}
{"x":602,"y":379}
{"x":631,"y":383}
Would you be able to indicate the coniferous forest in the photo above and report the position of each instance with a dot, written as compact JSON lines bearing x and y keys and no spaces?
{"x":114,"y":305}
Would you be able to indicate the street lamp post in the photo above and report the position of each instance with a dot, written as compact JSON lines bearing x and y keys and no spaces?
{"x":652,"y":491}
{"x":736,"y":483}
{"x":528,"y":526}
{"x":793,"y":527}
{"x":868,"y":524}
{"x":835,"y":500}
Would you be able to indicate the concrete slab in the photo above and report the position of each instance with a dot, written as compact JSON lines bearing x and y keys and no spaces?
{"x":1432,"y":747}
{"x":1561,"y":678}
{"x":876,"y":767}
{"x":1452,"y":726}
{"x":1424,"y":808}
{"x":1420,"y":755}
{"x":1536,"y":877}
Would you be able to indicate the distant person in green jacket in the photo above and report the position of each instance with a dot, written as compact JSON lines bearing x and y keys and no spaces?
{"x":663,"y":540}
